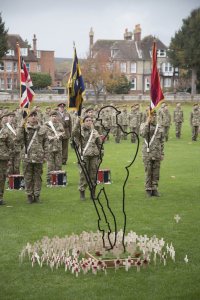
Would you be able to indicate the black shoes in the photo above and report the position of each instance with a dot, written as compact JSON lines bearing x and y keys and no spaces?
{"x":155,"y":193}
{"x":2,"y":202}
{"x":82,"y":195}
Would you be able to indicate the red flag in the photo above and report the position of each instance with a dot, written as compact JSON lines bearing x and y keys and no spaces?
{"x":27,"y":92}
{"x":156,"y":91}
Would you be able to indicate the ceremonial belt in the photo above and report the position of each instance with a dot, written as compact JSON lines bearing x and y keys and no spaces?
{"x":152,"y":139}
{"x":53,"y":128}
{"x":88,"y":142}
{"x":11,"y":129}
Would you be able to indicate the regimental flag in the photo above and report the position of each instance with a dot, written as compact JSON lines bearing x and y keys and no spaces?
{"x":76,"y":86}
{"x":26,"y":89}
{"x":156,"y":91}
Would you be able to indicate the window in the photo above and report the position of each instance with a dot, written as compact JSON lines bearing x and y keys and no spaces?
{"x":2,"y":84}
{"x":9,"y":84}
{"x":8,"y":66}
{"x":24,"y":51}
{"x":147,"y":84}
{"x":39,"y":68}
{"x":1,"y":66}
{"x":161,"y":53}
{"x":38,"y":54}
{"x":133,"y":84}
{"x":167,"y":67}
{"x":10,"y":52}
{"x":113,"y":52}
{"x":28,"y":66}
{"x":133,"y":67}
{"x":15,"y":83}
{"x":167,"y":82}
{"x":123,"y":67}
{"x":15,"y":67}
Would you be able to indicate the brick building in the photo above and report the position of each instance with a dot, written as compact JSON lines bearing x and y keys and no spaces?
{"x":132,"y":56}
{"x":36,"y":61}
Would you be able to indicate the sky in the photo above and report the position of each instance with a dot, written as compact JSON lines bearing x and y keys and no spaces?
{"x":57,"y":23}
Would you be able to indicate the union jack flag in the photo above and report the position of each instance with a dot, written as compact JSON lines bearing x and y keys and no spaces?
{"x":27,"y":92}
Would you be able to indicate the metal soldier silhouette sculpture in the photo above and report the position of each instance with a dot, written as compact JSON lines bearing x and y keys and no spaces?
{"x":107,"y":222}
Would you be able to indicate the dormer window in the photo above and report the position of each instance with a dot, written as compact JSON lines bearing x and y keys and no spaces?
{"x":113,"y":52}
{"x":161,"y":53}
{"x":10,"y":52}
{"x":24,"y":51}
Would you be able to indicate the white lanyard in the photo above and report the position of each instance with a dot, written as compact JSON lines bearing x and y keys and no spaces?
{"x":31,"y":142}
{"x":88,"y":142}
{"x":53,"y":128}
{"x":152,"y":139}
{"x":11,"y":129}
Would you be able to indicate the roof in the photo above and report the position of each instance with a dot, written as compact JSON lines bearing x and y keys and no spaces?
{"x":128,"y":49}
{"x":13,"y":39}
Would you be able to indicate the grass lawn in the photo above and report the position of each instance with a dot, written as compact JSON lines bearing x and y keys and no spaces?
{"x":62,"y":213}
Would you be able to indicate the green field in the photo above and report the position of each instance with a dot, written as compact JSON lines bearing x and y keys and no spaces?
{"x":62,"y":213}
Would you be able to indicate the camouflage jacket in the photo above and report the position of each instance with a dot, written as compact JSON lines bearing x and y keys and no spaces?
{"x":124,"y":118}
{"x":195,"y":117}
{"x":13,"y":132}
{"x":82,"y":135}
{"x":65,"y":120}
{"x":156,"y":141}
{"x":134,"y":118}
{"x":164,"y":118}
{"x":54,"y":138}
{"x":6,"y":143}
{"x":178,"y":116}
{"x":37,"y":152}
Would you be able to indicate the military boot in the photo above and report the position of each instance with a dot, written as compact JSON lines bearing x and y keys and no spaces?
{"x":36,"y":199}
{"x":149,"y":193}
{"x":30,"y":199}
{"x":155,"y":193}
{"x":2,"y":202}
{"x":82,"y":195}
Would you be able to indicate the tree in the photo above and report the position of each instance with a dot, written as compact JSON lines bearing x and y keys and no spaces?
{"x":118,"y":84}
{"x":41,"y":80}
{"x":3,"y":38}
{"x":184,"y":49}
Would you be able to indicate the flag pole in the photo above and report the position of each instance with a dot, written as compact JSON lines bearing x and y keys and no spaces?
{"x":19,"y":71}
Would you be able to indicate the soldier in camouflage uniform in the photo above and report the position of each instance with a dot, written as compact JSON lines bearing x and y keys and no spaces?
{"x":35,"y":151}
{"x":178,"y":119}
{"x":124,"y":116}
{"x":195,"y":121}
{"x":134,"y":119}
{"x":117,"y":120}
{"x":15,"y":156}
{"x":89,"y":142}
{"x":152,"y":152}
{"x":6,"y":147}
{"x":65,"y":119}
{"x":55,"y":133}
{"x":165,"y":120}
{"x":46,"y":115}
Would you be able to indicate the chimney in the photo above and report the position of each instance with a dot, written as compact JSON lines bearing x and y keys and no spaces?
{"x":127,"y":35}
{"x":137,"y":33}
{"x":35,"y":45}
{"x":91,"y":35}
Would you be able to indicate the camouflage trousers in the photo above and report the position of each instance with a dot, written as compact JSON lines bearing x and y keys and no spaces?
{"x":117,"y":133}
{"x":133,"y":136}
{"x":178,"y":126}
{"x":33,"y":178}
{"x":152,"y":172}
{"x":195,"y":132}
{"x":124,"y":136}
{"x":3,"y":171}
{"x":90,"y":164}
{"x":166,"y":132}
{"x":65,"y":145}
{"x":54,"y":163}
{"x":14,"y":164}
